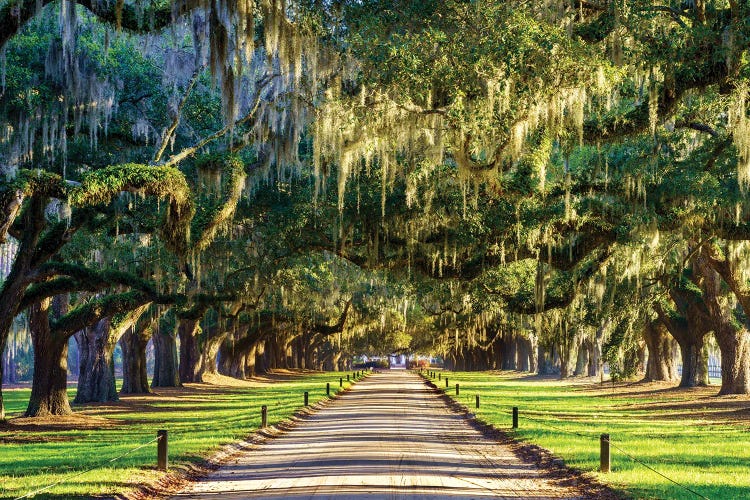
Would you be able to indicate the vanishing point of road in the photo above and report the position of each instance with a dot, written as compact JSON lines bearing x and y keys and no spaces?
{"x":389,"y":437}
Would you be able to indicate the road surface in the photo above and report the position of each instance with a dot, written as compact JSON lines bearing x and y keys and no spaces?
{"x":389,"y":437}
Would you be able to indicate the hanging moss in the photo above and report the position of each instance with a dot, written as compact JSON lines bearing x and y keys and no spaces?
{"x":213,"y":216}
{"x":26,"y":184}
{"x":101,"y":186}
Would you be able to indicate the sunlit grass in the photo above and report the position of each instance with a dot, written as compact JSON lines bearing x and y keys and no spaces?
{"x":198,"y":421}
{"x":698,"y":440}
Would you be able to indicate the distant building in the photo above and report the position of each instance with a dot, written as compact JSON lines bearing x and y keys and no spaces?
{"x":397,"y":360}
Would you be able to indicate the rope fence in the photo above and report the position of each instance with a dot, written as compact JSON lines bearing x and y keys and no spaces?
{"x":162,"y":439}
{"x":603,"y":438}
{"x":86,"y":471}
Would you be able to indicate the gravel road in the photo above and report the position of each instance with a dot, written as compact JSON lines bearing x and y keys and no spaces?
{"x":390,"y":437}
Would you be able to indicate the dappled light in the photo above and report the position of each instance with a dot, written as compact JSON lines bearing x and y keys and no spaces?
{"x":206,"y":195}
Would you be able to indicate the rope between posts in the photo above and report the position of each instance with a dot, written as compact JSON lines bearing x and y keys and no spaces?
{"x":543,"y":422}
{"x":631,"y":457}
{"x":68,"y":478}
{"x":634,"y":459}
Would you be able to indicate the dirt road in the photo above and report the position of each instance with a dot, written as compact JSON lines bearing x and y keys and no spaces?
{"x":389,"y":437}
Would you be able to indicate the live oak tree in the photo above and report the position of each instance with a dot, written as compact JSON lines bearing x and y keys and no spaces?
{"x":523,"y":185}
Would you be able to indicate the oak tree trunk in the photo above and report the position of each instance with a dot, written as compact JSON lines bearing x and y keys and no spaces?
{"x":661,"y":365}
{"x":208,"y":364}
{"x":165,"y":360}
{"x":96,"y":376}
{"x":582,"y":360}
{"x":734,"y":344}
{"x":595,"y":357}
{"x":49,"y":388}
{"x":694,"y":365}
{"x":134,"y":373}
{"x":190,"y":354}
{"x":511,"y":351}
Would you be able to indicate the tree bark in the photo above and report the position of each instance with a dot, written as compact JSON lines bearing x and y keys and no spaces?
{"x":661,"y":364}
{"x":694,"y":365}
{"x":732,"y":337}
{"x":190,"y":355}
{"x":582,"y":360}
{"x":262,"y":364}
{"x":208,"y":364}
{"x":689,"y":329}
{"x":165,"y":360}
{"x":569,"y":347}
{"x":9,"y":363}
{"x":251,"y":360}
{"x":49,"y":388}
{"x":545,"y":363}
{"x":96,"y":376}
{"x":510,"y":353}
{"x":134,"y":373}
{"x":231,"y":362}
{"x":595,"y":357}
{"x":735,"y":360}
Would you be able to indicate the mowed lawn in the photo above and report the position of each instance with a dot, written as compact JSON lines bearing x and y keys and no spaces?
{"x":690,"y":435}
{"x":199,"y":419}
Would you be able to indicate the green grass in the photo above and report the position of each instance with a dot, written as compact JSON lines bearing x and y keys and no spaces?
{"x":198,"y":421}
{"x":691,"y":436}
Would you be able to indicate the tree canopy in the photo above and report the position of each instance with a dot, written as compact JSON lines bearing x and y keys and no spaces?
{"x":535,"y":185}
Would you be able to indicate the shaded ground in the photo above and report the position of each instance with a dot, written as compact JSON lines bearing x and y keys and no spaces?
{"x":76,"y":450}
{"x":390,"y":437}
{"x":694,"y":437}
{"x":98,"y":415}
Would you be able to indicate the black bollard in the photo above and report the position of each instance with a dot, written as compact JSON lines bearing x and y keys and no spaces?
{"x":515,"y":417}
{"x":477,"y":401}
{"x":307,"y":398}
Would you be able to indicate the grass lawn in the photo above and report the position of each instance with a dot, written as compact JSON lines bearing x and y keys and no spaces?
{"x":689,"y":435}
{"x":199,"y":418}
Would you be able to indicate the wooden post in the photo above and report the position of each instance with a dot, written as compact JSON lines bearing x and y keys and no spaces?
{"x":307,"y":398}
{"x":263,"y":417}
{"x":162,"y":450}
{"x":457,"y":389}
{"x":347,"y":377}
{"x":604,"y":458}
{"x":515,"y":417}
{"x":477,"y":401}
{"x":341,"y":381}
{"x":439,"y":375}
{"x":328,"y":388}
{"x":446,"y":381}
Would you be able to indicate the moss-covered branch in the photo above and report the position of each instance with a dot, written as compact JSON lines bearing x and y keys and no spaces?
{"x":26,"y":184}
{"x":144,"y":18}
{"x":89,"y":313}
{"x":71,"y":278}
{"x":325,"y":330}
{"x":201,"y":303}
{"x":101,"y":186}
{"x":211,"y":218}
